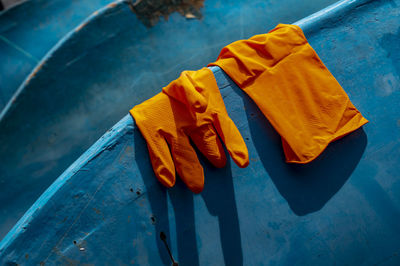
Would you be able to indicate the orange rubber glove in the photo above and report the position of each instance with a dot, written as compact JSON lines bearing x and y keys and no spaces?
{"x":194,"y":110}
{"x":295,"y":91}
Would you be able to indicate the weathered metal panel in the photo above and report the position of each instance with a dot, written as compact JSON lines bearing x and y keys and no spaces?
{"x":91,"y":78}
{"x":342,"y":209}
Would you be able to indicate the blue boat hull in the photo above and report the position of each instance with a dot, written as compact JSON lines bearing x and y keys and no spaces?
{"x":92,"y":77}
{"x":342,"y":209}
{"x":29,"y":30}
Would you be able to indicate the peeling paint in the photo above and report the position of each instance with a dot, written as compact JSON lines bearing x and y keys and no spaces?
{"x":150,"y":11}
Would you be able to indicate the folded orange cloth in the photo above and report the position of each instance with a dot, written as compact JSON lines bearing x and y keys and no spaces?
{"x":190,"y":107}
{"x":295,"y":91}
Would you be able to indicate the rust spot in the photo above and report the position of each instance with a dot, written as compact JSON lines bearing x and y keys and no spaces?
{"x":97,"y":211}
{"x":35,"y":71}
{"x":150,"y":11}
{"x":112,"y":5}
{"x":81,"y":26}
{"x":26,"y":256}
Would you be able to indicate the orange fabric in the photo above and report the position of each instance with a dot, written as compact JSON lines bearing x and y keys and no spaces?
{"x":295,"y":91}
{"x":189,"y":107}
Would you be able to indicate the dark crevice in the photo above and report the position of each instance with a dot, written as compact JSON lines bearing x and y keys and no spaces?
{"x":164,"y":239}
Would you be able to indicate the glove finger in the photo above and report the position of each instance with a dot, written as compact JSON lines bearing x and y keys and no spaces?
{"x":187,"y":164}
{"x":233,"y":140}
{"x":161,"y":160}
{"x":207,"y":141}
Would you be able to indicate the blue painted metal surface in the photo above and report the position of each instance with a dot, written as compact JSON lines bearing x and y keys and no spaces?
{"x":98,"y":72}
{"x":342,"y":209}
{"x":29,"y":30}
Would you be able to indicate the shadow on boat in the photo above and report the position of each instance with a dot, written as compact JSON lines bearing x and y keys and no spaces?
{"x":220,"y":203}
{"x":306,"y":188}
